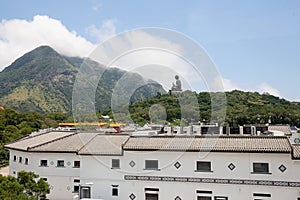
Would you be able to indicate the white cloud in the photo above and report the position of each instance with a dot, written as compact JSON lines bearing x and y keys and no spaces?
{"x":107,"y":30}
{"x":229,"y":85}
{"x":96,"y":7}
{"x":223,"y":84}
{"x":265,"y":87}
{"x":20,"y":36}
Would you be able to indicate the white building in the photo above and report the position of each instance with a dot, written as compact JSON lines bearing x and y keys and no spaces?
{"x":165,"y":167}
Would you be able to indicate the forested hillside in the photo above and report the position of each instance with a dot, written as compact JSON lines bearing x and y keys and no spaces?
{"x":241,"y":108}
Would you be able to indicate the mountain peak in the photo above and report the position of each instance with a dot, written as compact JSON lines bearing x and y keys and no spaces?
{"x":38,"y":53}
{"x":42,"y":80}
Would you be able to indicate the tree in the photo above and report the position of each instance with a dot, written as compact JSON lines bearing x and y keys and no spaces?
{"x":25,"y":187}
{"x":10,"y":189}
{"x":32,"y":188}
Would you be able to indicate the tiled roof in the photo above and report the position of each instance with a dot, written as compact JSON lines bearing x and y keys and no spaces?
{"x":114,"y":144}
{"x":296,"y":151}
{"x":104,"y":145}
{"x":283,"y":128}
{"x":200,"y":143}
{"x":81,"y":143}
{"x":37,"y":140}
{"x":71,"y":143}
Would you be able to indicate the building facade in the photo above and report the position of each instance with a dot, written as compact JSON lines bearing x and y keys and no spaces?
{"x":122,"y":166}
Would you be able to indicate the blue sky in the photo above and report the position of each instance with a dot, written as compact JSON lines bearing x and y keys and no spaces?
{"x":255,"y":44}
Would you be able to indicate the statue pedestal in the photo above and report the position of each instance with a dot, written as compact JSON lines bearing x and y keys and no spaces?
{"x":174,"y":92}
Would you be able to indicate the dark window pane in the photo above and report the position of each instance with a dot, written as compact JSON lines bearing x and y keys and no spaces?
{"x":115,"y":163}
{"x":261,"y":167}
{"x":203,"y":166}
{"x":60,"y":163}
{"x":44,"y":163}
{"x":77,"y":164}
{"x":115,"y":192}
{"x":204,"y":198}
{"x":151,"y":164}
{"x":76,"y":188}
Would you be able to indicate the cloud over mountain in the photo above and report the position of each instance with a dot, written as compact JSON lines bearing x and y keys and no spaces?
{"x":20,"y":36}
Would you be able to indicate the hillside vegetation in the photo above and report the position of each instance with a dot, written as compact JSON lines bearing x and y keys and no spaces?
{"x":42,"y":81}
{"x":14,"y":125}
{"x":241,"y":108}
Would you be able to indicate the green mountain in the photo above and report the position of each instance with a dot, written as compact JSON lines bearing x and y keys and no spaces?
{"x":42,"y":81}
{"x":241,"y":108}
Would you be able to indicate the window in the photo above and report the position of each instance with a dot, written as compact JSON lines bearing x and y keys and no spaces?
{"x":76,"y":188}
{"x":45,"y":179}
{"x":44,"y":163}
{"x":203,"y":166}
{"x":221,"y":198}
{"x":151,"y":164}
{"x":151,"y":193}
{"x":76,"y":185}
{"x":203,"y":198}
{"x":60,"y":163}
{"x":115,"y":163}
{"x":85,"y":192}
{"x":261,"y":168}
{"x":261,"y":196}
{"x":115,"y":191}
{"x":26,"y":161}
{"x":20,"y":159}
{"x":77,"y":164}
{"x":15,"y":158}
{"x":204,"y":195}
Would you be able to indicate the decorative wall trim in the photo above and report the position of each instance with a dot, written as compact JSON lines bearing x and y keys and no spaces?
{"x":213,"y":180}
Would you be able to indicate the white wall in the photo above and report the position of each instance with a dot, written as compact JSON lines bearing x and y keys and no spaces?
{"x":61,"y":179}
{"x":97,"y":170}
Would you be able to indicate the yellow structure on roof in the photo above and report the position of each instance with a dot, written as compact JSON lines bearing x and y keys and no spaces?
{"x":101,"y":124}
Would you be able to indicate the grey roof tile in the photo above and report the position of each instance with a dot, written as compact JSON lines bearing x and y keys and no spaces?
{"x":223,"y":143}
{"x":37,"y":140}
{"x":283,"y":128}
{"x":105,"y":145}
{"x":71,"y":143}
{"x":296,"y":151}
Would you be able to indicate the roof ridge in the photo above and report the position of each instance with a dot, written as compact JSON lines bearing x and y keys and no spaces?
{"x":211,"y":136}
{"x":78,"y":150}
{"x":54,"y":140}
{"x":27,"y":137}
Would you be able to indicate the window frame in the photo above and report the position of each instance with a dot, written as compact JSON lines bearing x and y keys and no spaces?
{"x":76,"y":190}
{"x":115,"y":189}
{"x":203,"y":170}
{"x":256,"y":171}
{"x":112,"y":164}
{"x":43,"y":165}
{"x":151,"y":168}
{"x":59,"y":165}
{"x":75,"y":165}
